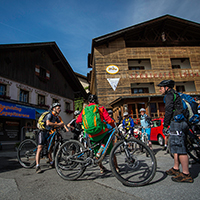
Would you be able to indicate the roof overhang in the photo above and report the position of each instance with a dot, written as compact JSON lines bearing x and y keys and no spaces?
{"x":132,"y":97}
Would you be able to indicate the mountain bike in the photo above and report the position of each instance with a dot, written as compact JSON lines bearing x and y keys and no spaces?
{"x":192,"y":145}
{"x":27,"y":149}
{"x":135,"y":169}
{"x":143,"y":137}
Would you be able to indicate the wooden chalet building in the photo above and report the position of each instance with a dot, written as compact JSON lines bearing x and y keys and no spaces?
{"x":32,"y":77}
{"x":128,"y":64}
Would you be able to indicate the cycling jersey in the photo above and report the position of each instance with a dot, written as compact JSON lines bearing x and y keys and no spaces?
{"x":52,"y":118}
{"x":128,"y":123}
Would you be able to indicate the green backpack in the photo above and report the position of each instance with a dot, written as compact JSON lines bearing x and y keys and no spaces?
{"x":91,"y":120}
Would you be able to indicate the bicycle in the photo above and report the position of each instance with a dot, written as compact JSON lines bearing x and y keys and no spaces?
{"x":135,"y":169}
{"x":27,"y":149}
{"x":192,"y":146}
{"x":143,"y":136}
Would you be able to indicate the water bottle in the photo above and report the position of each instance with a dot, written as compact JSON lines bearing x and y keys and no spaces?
{"x":100,"y":151}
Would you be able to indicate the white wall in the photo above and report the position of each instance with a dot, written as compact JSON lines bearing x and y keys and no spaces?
{"x":13,"y":90}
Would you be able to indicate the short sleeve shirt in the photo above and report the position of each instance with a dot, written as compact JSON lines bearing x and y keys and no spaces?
{"x":52,"y":118}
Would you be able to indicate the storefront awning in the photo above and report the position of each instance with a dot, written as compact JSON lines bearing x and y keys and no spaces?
{"x":39,"y":112}
{"x":8,"y":109}
{"x":133,"y":97}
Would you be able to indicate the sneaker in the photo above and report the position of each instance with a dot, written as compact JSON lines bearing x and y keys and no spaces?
{"x":183,"y":178}
{"x":38,"y":170}
{"x":172,"y":172}
{"x":164,"y":148}
{"x":51,"y":166}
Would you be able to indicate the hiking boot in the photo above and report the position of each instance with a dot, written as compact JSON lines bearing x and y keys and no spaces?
{"x":172,"y":172}
{"x":182,"y":178}
{"x":38,"y":170}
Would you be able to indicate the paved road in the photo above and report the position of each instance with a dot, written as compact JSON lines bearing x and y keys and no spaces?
{"x":19,"y":183}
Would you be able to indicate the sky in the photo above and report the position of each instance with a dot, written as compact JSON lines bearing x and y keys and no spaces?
{"x":72,"y":24}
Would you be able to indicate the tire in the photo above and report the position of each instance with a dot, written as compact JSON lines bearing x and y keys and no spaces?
{"x":134,"y":170}
{"x":193,"y":148}
{"x":69,"y":160}
{"x":161,"y":140}
{"x":26,"y":153}
{"x":56,"y":147}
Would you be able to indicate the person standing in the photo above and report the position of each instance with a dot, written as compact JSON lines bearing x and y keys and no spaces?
{"x":75,"y":128}
{"x":178,"y":130}
{"x":145,"y":121}
{"x":106,"y":122}
{"x":128,"y":123}
{"x":51,"y":121}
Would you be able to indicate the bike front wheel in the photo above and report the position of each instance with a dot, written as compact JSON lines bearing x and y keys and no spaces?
{"x":26,"y":153}
{"x":135,"y":169}
{"x":69,"y":160}
{"x":193,"y":148}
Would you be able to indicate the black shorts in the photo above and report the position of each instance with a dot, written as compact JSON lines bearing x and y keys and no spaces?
{"x":42,"y":137}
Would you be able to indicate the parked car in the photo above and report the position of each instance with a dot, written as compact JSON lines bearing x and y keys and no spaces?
{"x":156,"y":131}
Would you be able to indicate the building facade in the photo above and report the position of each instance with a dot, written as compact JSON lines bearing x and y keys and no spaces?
{"x":32,"y":77}
{"x":128,"y":64}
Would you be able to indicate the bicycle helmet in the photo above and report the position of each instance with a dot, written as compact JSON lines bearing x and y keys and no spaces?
{"x":167,"y":83}
{"x":92,"y":98}
{"x":142,"y":110}
{"x":125,"y":114}
{"x":77,"y":112}
{"x":110,"y":112}
{"x":54,"y":105}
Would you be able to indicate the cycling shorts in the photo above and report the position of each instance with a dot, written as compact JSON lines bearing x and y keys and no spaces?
{"x":42,"y":137}
{"x":148,"y":132}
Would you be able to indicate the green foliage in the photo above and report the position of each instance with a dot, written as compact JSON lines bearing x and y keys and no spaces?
{"x":79,"y":103}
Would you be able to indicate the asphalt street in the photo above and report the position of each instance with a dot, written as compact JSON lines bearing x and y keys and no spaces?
{"x":20,"y":183}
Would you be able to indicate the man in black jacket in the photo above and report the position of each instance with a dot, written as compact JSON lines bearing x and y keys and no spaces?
{"x":178,"y":129}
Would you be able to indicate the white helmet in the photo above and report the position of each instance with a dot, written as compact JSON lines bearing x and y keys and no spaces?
{"x":142,"y":110}
{"x":125,"y":114}
{"x":77,"y":112}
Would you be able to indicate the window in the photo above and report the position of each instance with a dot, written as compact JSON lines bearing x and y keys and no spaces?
{"x":42,"y":72}
{"x":67,"y":106}
{"x":180,"y":88}
{"x":139,"y":90}
{"x":2,"y":89}
{"x":136,"y":68}
{"x":139,"y":64}
{"x":180,"y":63}
{"x":176,"y":66}
{"x":41,"y":100}
{"x":55,"y":101}
{"x":156,"y":123}
{"x":24,"y":96}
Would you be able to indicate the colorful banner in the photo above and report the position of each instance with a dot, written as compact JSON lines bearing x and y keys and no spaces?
{"x":16,"y":110}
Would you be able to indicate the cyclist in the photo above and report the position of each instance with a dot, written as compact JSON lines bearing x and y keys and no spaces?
{"x":51,"y":121}
{"x":128,"y":123}
{"x":75,"y":128}
{"x":110,"y":112}
{"x":178,"y":129}
{"x":146,"y":124}
{"x":109,"y":122}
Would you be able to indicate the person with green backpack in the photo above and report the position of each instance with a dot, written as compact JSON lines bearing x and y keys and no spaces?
{"x":96,"y":122}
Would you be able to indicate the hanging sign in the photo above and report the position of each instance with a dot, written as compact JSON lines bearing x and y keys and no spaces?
{"x":113,"y":82}
{"x":112,"y":69}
